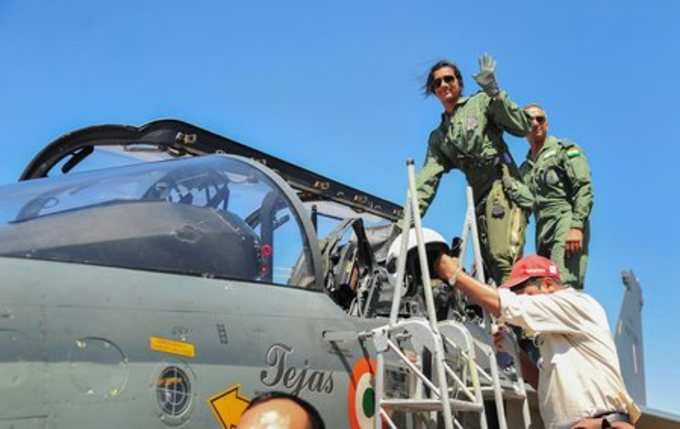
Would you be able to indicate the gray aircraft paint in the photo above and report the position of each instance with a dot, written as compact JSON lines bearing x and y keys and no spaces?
{"x":75,"y":339}
{"x":113,"y":312}
{"x":629,"y":341}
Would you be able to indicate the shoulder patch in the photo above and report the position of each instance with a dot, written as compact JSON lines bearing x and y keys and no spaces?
{"x":566,"y":143}
{"x":573,"y":152}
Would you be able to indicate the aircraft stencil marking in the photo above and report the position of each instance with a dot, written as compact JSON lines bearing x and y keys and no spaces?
{"x":228,"y":406}
{"x":222,"y":333}
{"x":181,"y":333}
{"x":297,"y":379}
{"x":166,"y":345}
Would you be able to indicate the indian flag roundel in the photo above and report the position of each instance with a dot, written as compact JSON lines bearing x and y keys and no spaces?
{"x":361,"y":395}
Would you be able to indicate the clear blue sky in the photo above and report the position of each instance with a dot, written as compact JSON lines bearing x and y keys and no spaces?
{"x":335,"y":88}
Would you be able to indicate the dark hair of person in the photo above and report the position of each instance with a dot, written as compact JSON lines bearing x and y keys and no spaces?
{"x":314,"y":416}
{"x":427,"y":88}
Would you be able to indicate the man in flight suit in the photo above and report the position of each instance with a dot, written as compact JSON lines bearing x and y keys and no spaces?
{"x":470,"y":138}
{"x":559,"y":191}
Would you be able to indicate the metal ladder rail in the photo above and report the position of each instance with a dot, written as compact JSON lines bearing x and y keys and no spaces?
{"x":526,"y":413}
{"x":413,"y":211}
{"x":488,"y":369}
{"x":457,"y":337}
{"x":383,"y":343}
{"x":421,"y":336}
{"x":520,"y":385}
{"x":471,"y":233}
{"x":492,"y":380}
{"x":454,"y":336}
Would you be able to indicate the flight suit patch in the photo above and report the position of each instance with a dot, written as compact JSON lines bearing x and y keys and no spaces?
{"x":551,"y":177}
{"x":471,"y":123}
{"x":573,"y":152}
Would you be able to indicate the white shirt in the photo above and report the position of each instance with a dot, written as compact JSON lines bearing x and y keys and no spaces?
{"x":580,"y":376}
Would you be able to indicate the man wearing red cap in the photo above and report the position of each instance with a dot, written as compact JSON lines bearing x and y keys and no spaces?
{"x":579,"y":384}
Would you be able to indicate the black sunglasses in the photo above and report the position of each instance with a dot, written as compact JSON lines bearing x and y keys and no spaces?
{"x":539,"y":119}
{"x":438,"y":82}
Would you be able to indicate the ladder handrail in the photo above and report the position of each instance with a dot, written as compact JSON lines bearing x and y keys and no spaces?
{"x":425,"y":333}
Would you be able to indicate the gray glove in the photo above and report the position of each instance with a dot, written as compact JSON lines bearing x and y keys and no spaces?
{"x":486,"y":77}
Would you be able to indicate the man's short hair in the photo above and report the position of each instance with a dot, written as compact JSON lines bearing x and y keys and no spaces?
{"x":314,"y":416}
{"x":533,"y":105}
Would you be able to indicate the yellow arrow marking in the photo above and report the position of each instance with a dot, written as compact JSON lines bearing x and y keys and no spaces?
{"x":228,"y":406}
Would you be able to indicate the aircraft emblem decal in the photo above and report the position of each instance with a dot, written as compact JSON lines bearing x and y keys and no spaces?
{"x":173,"y":391}
{"x":228,"y":406}
{"x":361,"y":395}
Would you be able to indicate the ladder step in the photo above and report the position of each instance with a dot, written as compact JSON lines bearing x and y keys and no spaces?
{"x":488,"y":393}
{"x":429,"y":405}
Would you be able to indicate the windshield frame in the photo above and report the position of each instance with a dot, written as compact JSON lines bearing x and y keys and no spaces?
{"x":175,"y":138}
{"x":307,"y":228}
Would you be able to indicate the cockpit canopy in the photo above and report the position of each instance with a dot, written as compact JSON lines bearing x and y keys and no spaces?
{"x":213,"y":216}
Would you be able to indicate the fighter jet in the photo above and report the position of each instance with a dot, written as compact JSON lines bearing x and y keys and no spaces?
{"x":197,"y":272}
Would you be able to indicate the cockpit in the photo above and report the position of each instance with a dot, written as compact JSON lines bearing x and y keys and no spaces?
{"x":171,"y":197}
{"x":213,"y":216}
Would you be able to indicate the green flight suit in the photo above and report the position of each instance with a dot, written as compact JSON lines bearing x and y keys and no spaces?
{"x":471,"y":140}
{"x":560,"y":193}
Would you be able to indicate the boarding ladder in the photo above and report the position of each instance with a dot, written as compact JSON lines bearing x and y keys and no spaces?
{"x":451,"y":371}
{"x":511,"y":386}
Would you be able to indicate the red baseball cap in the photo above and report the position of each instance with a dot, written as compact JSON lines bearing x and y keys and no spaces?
{"x":529,"y":267}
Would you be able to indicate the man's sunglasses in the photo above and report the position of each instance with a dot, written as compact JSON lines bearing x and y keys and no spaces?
{"x":438,"y":82}
{"x":539,"y":119}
